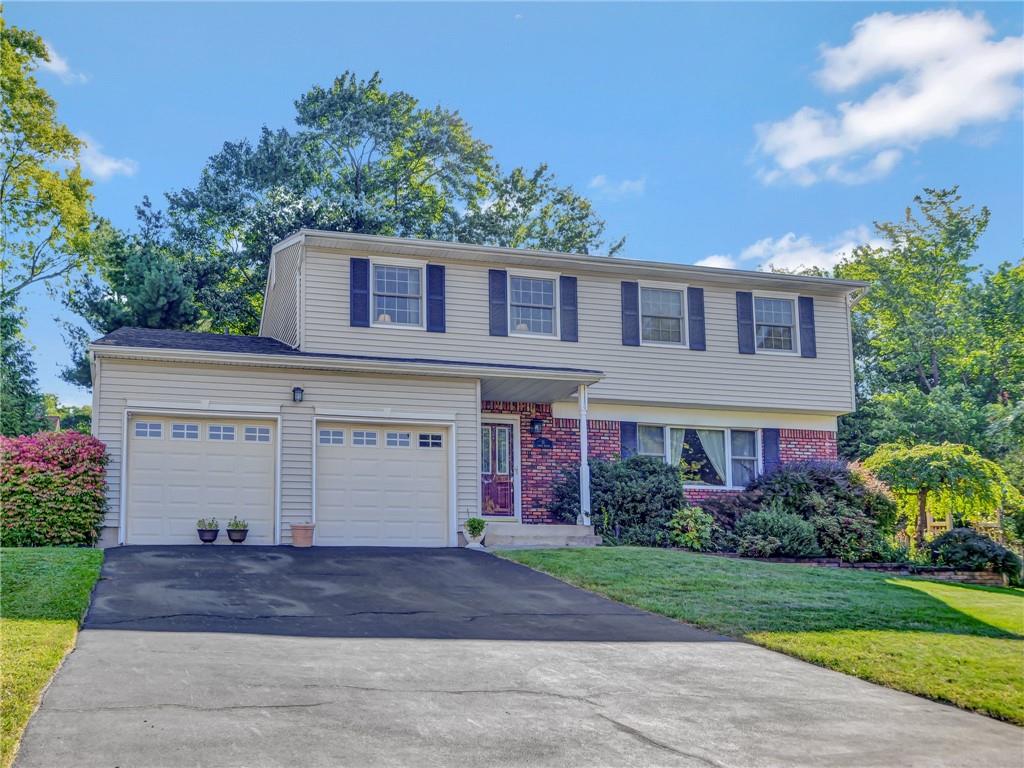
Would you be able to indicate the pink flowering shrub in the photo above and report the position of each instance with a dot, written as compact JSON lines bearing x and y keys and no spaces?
{"x":52,"y":489}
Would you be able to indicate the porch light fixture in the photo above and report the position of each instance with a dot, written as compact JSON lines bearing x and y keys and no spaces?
{"x":536,"y":426}
{"x":297,"y":394}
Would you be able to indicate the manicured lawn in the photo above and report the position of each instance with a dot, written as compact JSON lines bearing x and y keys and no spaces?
{"x":43,"y":595}
{"x":954,"y":643}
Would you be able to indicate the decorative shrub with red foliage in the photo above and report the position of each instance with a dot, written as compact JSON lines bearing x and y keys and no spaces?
{"x":52,"y":489}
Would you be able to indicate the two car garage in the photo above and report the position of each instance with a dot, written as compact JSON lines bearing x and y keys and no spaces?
{"x":373,"y":484}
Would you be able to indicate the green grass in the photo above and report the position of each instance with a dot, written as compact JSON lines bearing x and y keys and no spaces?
{"x":43,"y":596}
{"x":955,"y":643}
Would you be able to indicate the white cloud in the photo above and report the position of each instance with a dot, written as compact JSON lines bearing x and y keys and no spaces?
{"x":721,"y":262}
{"x":608,"y":188}
{"x":941,"y":71}
{"x":102,"y":166}
{"x":59,"y":66}
{"x":792,"y":251}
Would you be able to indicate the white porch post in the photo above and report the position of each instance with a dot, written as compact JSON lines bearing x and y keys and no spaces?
{"x":584,"y":517}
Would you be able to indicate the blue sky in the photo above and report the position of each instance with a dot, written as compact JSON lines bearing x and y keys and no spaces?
{"x":732,"y":134}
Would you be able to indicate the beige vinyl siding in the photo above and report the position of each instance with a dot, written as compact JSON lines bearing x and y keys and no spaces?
{"x":204,"y":388}
{"x":280,"y":318}
{"x":717,"y":378}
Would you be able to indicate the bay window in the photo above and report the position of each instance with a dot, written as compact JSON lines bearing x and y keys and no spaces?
{"x":725,"y":458}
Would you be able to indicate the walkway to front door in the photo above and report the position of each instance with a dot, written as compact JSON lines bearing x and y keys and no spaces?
{"x":497,"y":470}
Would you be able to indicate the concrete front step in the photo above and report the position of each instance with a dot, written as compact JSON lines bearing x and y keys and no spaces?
{"x":519,"y":536}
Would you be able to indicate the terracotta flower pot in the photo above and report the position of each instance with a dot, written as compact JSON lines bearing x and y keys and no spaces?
{"x":207,"y":535}
{"x":302,"y":534}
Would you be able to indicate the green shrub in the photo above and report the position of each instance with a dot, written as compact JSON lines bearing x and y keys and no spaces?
{"x":631,"y":500}
{"x":966,"y":548}
{"x":773,"y":532}
{"x":852,"y":513}
{"x":692,"y":528}
{"x":207,"y":524}
{"x":236,"y":524}
{"x":475,"y":526}
{"x":53,"y":489}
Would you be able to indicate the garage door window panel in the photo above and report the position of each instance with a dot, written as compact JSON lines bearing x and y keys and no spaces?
{"x":184,"y":431}
{"x":223,"y":432}
{"x":257,"y":434}
{"x":150,"y":430}
{"x":332,"y":437}
{"x":431,"y":440}
{"x":398,"y":440}
{"x":364,"y":438}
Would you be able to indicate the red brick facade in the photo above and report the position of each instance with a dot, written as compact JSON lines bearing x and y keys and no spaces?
{"x":542,"y":467}
{"x":801,"y":444}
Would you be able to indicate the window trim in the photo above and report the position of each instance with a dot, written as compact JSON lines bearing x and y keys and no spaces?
{"x":667,"y":445}
{"x":796,"y":321}
{"x":420,"y":266}
{"x":555,"y":308}
{"x":641,"y":284}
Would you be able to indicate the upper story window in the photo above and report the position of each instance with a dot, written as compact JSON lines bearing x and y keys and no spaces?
{"x":531,"y":305}
{"x":775,"y":324}
{"x":662,"y":312}
{"x":397,"y":295}
{"x":712,"y":457}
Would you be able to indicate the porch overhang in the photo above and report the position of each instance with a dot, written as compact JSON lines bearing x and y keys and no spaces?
{"x":534,"y":386}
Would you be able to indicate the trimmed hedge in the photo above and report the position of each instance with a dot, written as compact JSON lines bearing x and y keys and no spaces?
{"x":851,"y":511}
{"x":966,"y":548}
{"x":53,"y":489}
{"x":631,"y":500}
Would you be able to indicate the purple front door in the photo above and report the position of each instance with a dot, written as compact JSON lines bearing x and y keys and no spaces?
{"x":497,"y":490}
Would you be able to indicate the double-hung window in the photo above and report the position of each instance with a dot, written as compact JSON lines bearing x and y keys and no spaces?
{"x":706,"y":456}
{"x":662,"y":312}
{"x":397,"y":295}
{"x":531,"y":305}
{"x":775,"y":324}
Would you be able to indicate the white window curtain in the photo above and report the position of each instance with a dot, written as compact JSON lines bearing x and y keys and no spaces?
{"x":713,"y":441}
{"x":676,"y":440}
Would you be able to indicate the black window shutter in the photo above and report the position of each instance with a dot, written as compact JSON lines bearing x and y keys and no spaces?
{"x":497,"y":282}
{"x":568,"y":324}
{"x":745,"y":321}
{"x":631,"y":314}
{"x":435,"y":298}
{"x":808,"y":344}
{"x":770,"y":454}
{"x":695,"y":318}
{"x":359,"y":293}
{"x":627,"y":439}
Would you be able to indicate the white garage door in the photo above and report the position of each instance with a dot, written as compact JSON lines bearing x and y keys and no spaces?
{"x":181,"y":469}
{"x":381,"y":486}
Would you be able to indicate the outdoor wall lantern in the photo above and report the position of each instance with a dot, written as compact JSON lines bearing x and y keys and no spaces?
{"x":297,"y":394}
{"x":536,"y":426}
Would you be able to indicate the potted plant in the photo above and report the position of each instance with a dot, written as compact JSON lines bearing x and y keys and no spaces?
{"x":474,"y":531}
{"x":237,"y":530}
{"x":207,"y":529}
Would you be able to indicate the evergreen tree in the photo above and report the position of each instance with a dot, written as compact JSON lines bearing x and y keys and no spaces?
{"x":22,"y":410}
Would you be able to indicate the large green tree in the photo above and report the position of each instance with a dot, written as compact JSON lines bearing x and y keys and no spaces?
{"x":935,"y":346}
{"x":44,"y":199}
{"x":143,"y":280}
{"x":361,"y":159}
{"x":22,"y":410}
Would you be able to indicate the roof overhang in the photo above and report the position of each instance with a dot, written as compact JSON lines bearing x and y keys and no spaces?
{"x":379,"y":245}
{"x":497,"y":382}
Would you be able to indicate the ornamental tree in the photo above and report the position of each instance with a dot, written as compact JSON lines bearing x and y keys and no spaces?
{"x":956,"y":474}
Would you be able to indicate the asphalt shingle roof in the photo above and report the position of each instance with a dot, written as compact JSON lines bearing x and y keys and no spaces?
{"x":154,"y":338}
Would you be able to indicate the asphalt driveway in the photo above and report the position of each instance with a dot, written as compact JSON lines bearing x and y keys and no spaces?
{"x":363,"y":657}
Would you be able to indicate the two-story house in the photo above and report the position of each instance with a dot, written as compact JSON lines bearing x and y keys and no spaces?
{"x":399,"y":387}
